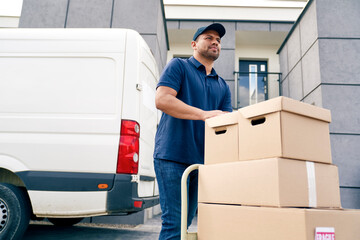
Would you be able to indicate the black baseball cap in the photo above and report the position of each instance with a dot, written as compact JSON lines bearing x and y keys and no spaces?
{"x":215,"y":26}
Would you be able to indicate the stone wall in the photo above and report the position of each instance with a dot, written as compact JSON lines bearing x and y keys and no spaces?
{"x":146,"y":17}
{"x":320,"y":62}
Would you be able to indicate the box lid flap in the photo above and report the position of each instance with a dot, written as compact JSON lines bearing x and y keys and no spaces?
{"x":223,"y":120}
{"x":288,"y":105}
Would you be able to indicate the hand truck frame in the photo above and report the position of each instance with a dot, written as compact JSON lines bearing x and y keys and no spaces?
{"x":185,"y":235}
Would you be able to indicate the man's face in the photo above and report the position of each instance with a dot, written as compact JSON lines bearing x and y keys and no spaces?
{"x":208,"y":45}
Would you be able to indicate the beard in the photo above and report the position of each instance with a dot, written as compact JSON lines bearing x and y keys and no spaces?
{"x":209,"y":54}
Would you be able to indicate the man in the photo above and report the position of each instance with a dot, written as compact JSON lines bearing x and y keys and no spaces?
{"x":188,"y":93}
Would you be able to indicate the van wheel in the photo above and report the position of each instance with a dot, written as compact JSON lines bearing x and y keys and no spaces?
{"x":65,"y":221}
{"x":14,"y":212}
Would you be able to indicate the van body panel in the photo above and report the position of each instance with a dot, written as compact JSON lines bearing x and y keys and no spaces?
{"x":63,"y":152}
{"x":54,"y":91}
{"x":12,"y":164}
{"x":64,"y":203}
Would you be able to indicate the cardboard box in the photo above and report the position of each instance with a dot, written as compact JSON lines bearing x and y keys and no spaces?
{"x":280,"y":127}
{"x":274,"y":182}
{"x":258,"y":223}
{"x":291,"y":129}
{"x":222,"y":139}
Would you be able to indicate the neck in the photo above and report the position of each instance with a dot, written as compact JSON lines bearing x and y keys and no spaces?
{"x":206,"y":62}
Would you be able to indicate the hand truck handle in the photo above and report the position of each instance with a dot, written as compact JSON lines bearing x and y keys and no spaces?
{"x":184,"y":203}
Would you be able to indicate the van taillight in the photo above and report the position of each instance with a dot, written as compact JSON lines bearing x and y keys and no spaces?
{"x":128,"y":157}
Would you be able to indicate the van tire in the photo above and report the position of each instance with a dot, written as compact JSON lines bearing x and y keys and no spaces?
{"x":65,"y":222}
{"x":15,"y":212}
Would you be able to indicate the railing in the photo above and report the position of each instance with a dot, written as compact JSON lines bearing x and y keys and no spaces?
{"x":254,"y":87}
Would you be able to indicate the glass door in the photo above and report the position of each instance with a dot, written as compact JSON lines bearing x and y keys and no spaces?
{"x":252,"y":82}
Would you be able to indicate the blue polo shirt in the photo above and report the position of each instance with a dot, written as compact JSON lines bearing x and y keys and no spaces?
{"x":182,"y":140}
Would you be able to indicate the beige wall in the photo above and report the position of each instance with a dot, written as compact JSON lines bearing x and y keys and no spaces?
{"x":10,"y":11}
{"x":179,"y":50}
{"x":234,"y":10}
{"x":9,"y":22}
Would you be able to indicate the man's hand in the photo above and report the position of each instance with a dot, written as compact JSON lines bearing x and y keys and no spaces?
{"x":167,"y":102}
{"x":210,"y":114}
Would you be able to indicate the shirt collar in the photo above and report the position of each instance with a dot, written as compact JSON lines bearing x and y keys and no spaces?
{"x":197,"y":64}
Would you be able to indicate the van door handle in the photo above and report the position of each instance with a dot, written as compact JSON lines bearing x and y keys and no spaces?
{"x":138,"y":87}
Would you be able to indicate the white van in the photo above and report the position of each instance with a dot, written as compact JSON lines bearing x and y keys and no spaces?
{"x":77,"y":125}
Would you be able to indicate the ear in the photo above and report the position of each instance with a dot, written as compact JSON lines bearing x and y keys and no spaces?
{"x":193,"y":45}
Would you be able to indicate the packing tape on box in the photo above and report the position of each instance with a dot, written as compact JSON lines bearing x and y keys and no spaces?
{"x":310,"y":168}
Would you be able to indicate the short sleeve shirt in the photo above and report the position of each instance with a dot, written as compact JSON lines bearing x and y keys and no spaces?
{"x":182,"y":140}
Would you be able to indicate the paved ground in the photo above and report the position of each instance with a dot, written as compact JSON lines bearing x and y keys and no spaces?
{"x":89,"y":231}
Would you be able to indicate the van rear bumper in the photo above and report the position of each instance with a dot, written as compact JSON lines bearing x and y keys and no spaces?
{"x":121,"y":193}
{"x":123,"y":196}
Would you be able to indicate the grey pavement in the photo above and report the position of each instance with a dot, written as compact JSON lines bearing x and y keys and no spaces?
{"x":148,"y":231}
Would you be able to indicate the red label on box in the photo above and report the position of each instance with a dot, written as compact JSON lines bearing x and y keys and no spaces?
{"x":324,"y":233}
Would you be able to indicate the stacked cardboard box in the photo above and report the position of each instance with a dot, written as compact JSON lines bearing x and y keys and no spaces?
{"x":268,"y":174}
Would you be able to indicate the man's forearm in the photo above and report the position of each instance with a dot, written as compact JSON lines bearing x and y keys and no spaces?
{"x":178,"y":109}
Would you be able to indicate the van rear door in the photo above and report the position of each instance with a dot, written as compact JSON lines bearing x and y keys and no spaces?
{"x":148,"y":121}
{"x":140,"y":79}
